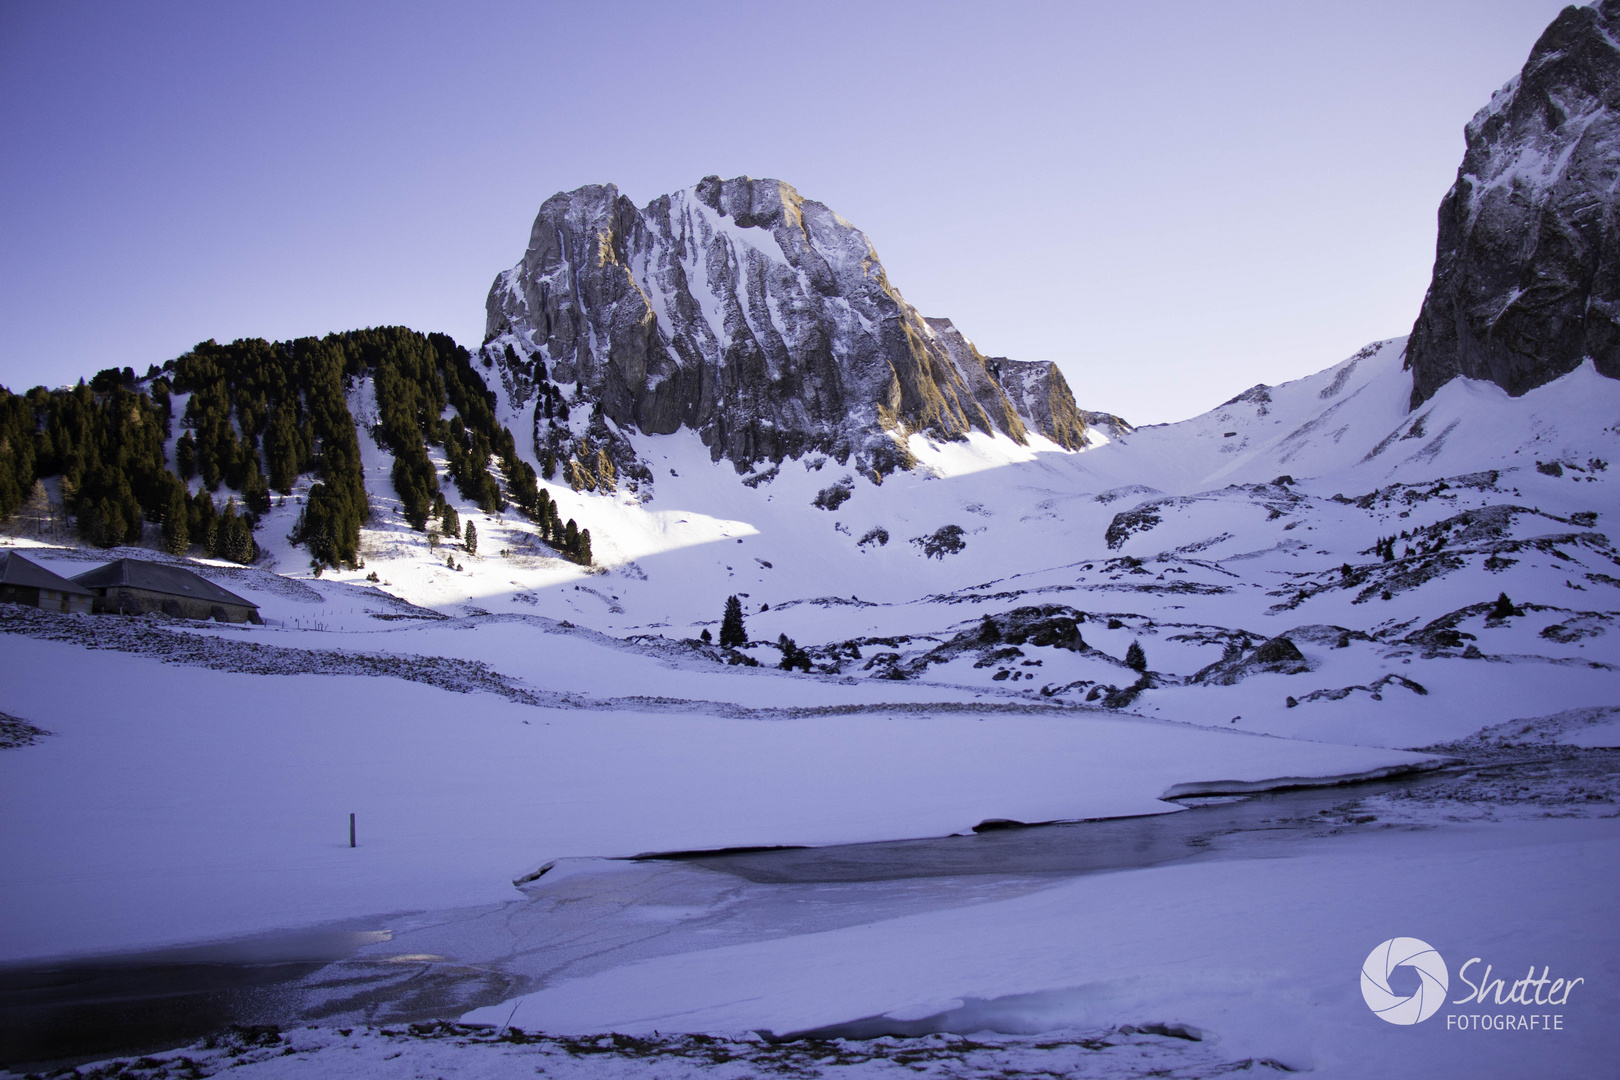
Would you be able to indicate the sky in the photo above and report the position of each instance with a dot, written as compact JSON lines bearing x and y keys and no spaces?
{"x":1173,"y":201}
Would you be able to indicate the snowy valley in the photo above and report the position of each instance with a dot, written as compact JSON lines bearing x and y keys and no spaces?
{"x":1315,"y":669}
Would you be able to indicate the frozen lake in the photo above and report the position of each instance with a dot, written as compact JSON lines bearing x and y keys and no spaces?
{"x":587,"y":916}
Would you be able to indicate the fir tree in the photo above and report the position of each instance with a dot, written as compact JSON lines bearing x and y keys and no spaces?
{"x":707,"y":638}
{"x":1135,"y":658}
{"x":176,"y":522}
{"x":732,"y":631}
{"x":471,"y":540}
{"x":1503,"y":607}
{"x":792,"y":655}
{"x":989,"y":632}
{"x":185,"y":456}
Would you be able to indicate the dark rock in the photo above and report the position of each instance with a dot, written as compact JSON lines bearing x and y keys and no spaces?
{"x":1128,"y":522}
{"x":1526,"y":279}
{"x":1278,"y":650}
{"x":835,"y":495}
{"x":946,"y":540}
{"x":1278,"y":656}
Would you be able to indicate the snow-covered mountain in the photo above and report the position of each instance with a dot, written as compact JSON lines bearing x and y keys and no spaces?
{"x":759,"y":319}
{"x":968,"y":604}
{"x":1527,"y":265}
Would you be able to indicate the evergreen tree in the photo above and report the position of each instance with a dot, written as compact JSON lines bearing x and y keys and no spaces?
{"x":584,"y":554}
{"x":732,"y":632}
{"x":451,"y":521}
{"x":1503,"y":607}
{"x":234,"y":537}
{"x":707,"y":638}
{"x":185,"y":456}
{"x":989,"y":632}
{"x":255,"y":492}
{"x":472,"y":539}
{"x":176,"y":521}
{"x":792,"y":655}
{"x":1135,"y":658}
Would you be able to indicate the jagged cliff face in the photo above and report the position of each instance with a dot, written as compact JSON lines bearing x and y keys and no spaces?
{"x":1527,"y":266}
{"x":756,"y":317}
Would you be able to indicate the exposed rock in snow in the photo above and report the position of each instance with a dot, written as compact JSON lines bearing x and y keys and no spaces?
{"x":758,"y":318}
{"x":1527,"y":266}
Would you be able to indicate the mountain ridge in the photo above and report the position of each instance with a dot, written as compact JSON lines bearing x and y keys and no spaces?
{"x":754,"y":316}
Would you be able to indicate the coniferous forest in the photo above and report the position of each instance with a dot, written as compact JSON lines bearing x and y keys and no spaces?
{"x":253,"y":417}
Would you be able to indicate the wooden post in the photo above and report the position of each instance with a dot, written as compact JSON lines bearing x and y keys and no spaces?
{"x":351,"y":830}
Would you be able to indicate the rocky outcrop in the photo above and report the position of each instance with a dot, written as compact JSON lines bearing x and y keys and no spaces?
{"x":1277,"y":656}
{"x":1038,"y":390}
{"x":1114,"y":427}
{"x":1526,"y":280}
{"x":756,"y":317}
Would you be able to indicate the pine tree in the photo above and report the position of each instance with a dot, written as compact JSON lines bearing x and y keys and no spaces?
{"x":471,"y":540}
{"x":1135,"y":658}
{"x":792,"y":655}
{"x":176,"y":522}
{"x":732,"y":631}
{"x":234,"y":539}
{"x":988,"y":630}
{"x":451,"y":521}
{"x":707,"y":638}
{"x":1503,"y":608}
{"x":185,"y":456}
{"x":584,"y":547}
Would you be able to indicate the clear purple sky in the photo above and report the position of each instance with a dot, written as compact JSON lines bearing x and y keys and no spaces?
{"x":1172,"y":200}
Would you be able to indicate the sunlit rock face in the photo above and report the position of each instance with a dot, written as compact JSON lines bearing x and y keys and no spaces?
{"x":1527,"y":267}
{"x":756,"y":317}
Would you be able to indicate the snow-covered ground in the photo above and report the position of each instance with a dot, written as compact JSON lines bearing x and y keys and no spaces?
{"x":207,"y":803}
{"x":486,"y":719}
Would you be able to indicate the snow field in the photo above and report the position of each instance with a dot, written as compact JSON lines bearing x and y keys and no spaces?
{"x":176,"y":804}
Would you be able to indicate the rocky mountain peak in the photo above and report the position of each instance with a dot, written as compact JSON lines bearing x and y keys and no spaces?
{"x":754,"y":316}
{"x":1526,"y":282}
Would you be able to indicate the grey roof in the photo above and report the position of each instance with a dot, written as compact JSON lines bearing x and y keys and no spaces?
{"x":158,"y":578}
{"x":16,"y":570}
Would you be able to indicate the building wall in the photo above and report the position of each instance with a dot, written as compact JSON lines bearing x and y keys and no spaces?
{"x":126,"y":601}
{"x":65,"y":602}
{"x":46,"y":599}
{"x":19,"y":594}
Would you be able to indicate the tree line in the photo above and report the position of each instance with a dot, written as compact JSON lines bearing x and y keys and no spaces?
{"x":256,"y":416}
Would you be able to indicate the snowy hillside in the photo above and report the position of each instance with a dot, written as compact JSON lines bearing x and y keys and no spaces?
{"x":1260,"y":607}
{"x":1005,"y":633}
